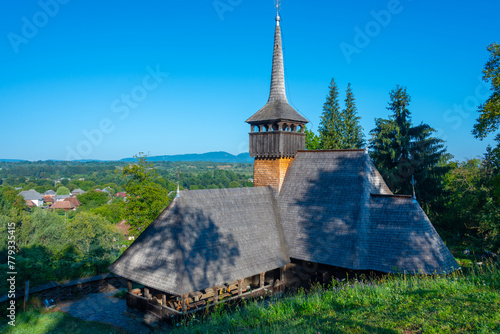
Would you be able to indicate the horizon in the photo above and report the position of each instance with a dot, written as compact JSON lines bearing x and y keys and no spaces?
{"x":104,"y":81}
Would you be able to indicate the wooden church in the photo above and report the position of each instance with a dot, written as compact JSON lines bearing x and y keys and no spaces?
{"x":309,"y":214}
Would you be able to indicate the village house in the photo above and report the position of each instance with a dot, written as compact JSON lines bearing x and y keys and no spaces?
{"x":62,"y":205}
{"x":77,"y":192}
{"x":48,"y":199}
{"x":32,"y":196}
{"x":310,"y":215}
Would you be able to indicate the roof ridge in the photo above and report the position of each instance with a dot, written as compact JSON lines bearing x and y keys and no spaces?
{"x":391,"y":195}
{"x":334,"y":150}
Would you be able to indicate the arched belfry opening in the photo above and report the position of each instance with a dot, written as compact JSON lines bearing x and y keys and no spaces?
{"x":277,"y":130}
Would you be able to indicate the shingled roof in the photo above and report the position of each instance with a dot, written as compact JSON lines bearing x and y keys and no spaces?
{"x":31,"y":195}
{"x":337,"y":210}
{"x":206,"y":238}
{"x":277,"y":107}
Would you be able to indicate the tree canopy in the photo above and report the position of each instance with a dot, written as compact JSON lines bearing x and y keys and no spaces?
{"x":489,"y":112}
{"x":146,"y":198}
{"x":312,"y":140}
{"x":62,"y":190}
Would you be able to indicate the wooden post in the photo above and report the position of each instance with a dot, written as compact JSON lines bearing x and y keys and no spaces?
{"x":282,"y":278}
{"x":262,"y":277}
{"x":129,"y":286}
{"x":184,"y":303}
{"x":146,"y":293}
{"x":240,"y":287}
{"x":216,"y":295}
{"x":163,"y":299}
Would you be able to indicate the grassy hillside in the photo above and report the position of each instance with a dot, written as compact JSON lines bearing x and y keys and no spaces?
{"x":459,"y":303}
{"x":463,"y":302}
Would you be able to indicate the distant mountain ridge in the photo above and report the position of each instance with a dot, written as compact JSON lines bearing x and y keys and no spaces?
{"x":210,"y":156}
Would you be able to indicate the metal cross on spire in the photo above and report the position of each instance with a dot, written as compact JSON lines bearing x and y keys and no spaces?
{"x":278,"y":7}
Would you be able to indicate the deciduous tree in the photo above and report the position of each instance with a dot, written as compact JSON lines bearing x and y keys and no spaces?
{"x":489,"y":112}
{"x":146,"y":199}
{"x":312,"y":140}
{"x":62,"y":190}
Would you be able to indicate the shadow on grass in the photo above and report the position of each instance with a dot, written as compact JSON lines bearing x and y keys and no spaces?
{"x":40,"y":321}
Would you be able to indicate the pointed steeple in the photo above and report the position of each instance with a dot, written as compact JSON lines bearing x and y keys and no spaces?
{"x":277,"y":130}
{"x":277,"y":107}
{"x":278,"y":92}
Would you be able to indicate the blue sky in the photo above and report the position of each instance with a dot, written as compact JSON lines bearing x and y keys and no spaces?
{"x":108,"y":79}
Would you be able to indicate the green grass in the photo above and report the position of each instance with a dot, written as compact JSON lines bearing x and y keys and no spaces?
{"x":38,"y":321}
{"x":458,"y":303}
{"x":463,"y":302}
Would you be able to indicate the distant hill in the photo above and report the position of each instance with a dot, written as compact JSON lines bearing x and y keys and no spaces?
{"x":11,"y":160}
{"x":210,"y":156}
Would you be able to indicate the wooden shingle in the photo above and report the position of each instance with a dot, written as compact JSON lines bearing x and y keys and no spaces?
{"x":337,"y":210}
{"x":206,"y":238}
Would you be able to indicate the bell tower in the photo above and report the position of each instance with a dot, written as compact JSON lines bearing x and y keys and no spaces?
{"x":276,"y":130}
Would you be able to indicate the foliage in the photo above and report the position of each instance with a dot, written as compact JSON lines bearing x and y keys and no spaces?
{"x":463,"y":302}
{"x":4,"y":204}
{"x":41,"y":228}
{"x":216,"y":179}
{"x":489,"y":118}
{"x":93,"y":199}
{"x":234,"y":184}
{"x":353,"y":132}
{"x":92,"y":234}
{"x":312,"y":140}
{"x":330,"y":127}
{"x":338,"y":129}
{"x":146,"y":199}
{"x":52,"y":248}
{"x":12,"y":200}
{"x":472,"y":202}
{"x":62,"y":190}
{"x":401,"y":151}
{"x":112,"y":212}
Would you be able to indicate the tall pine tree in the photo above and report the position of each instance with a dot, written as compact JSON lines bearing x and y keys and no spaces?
{"x":353,"y":132}
{"x":330,"y":127}
{"x":400,"y":151}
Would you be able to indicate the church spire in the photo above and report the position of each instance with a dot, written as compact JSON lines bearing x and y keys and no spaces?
{"x":277,"y":108}
{"x":277,"y":129}
{"x":278,"y":92}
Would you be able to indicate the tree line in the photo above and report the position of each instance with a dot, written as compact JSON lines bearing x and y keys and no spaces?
{"x":58,"y":245}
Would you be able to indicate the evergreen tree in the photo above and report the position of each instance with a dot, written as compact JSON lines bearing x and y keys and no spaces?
{"x":353,"y":132}
{"x":330,"y":127}
{"x":400,"y":151}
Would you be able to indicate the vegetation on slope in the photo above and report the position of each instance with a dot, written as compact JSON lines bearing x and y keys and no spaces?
{"x":457,"y":303}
